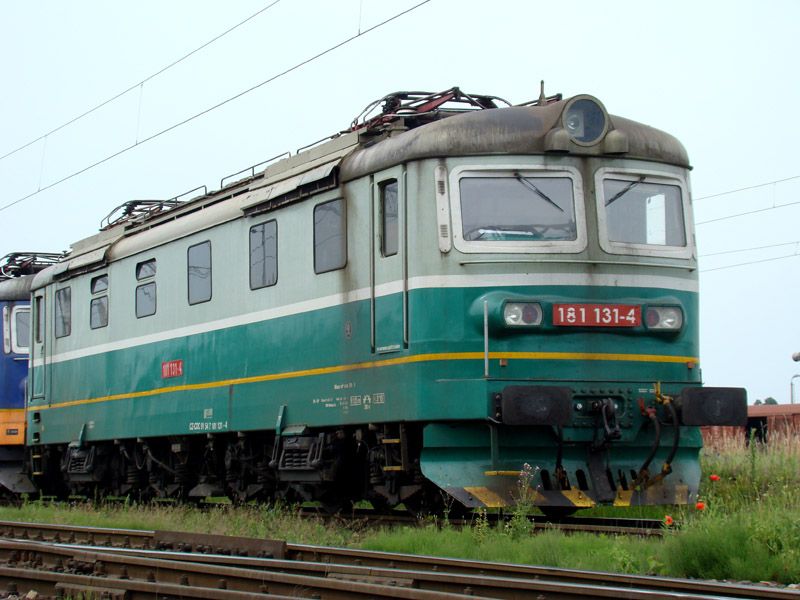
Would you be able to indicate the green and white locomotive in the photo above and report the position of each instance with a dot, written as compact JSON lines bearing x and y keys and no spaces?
{"x":410,"y":311}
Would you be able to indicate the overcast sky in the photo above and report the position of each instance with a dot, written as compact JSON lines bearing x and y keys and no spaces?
{"x":720,"y":76}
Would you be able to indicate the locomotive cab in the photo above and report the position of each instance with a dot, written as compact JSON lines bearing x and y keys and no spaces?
{"x":577,"y":268}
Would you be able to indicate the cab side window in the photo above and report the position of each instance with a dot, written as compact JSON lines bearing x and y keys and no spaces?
{"x":20,"y":330}
{"x":389,"y":222}
{"x":63,"y":312}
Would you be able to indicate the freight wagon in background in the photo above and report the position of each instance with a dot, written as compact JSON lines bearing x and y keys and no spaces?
{"x":764,"y":421}
{"x":408,"y":312}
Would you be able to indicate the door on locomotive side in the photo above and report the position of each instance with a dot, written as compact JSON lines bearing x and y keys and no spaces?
{"x":38,"y":372}
{"x":388,"y":288}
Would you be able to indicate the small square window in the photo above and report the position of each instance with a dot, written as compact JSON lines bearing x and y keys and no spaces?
{"x":99,"y":284}
{"x":146,"y":269}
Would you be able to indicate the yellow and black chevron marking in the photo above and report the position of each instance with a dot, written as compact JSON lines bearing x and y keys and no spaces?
{"x":489,"y":496}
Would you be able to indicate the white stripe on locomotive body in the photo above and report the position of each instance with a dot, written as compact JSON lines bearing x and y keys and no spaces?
{"x":415,"y":283}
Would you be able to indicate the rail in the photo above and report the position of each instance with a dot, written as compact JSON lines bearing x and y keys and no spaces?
{"x":123,"y":564}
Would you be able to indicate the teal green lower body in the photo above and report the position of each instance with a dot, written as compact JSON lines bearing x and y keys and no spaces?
{"x":320,"y":370}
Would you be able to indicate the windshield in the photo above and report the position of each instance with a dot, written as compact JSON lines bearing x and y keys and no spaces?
{"x":517,"y":208}
{"x":643,"y":212}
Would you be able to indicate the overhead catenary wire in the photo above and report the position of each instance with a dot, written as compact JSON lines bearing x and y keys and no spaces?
{"x":752,"y":262}
{"x":753,"y":249}
{"x":215,"y":106}
{"x":749,"y":212}
{"x":139,"y":84}
{"x":750,"y":187}
{"x":739,"y":250}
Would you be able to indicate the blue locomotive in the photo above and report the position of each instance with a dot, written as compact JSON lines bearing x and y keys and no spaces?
{"x":16,"y":276}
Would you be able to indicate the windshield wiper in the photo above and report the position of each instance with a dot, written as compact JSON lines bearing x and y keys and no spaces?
{"x":478,"y":232}
{"x":625,"y":190}
{"x":536,"y":190}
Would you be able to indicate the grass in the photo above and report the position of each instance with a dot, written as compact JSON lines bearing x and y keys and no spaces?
{"x":749,"y":528}
{"x":274,"y":522}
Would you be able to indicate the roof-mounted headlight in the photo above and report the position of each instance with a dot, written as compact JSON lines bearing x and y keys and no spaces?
{"x":585,"y":120}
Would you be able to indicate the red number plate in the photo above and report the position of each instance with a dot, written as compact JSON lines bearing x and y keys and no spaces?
{"x":597,"y":315}
{"x":172,"y":368}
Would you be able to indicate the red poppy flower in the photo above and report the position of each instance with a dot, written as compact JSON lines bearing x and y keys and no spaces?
{"x":713,"y":477}
{"x":668,"y":521}
{"x":700,"y":505}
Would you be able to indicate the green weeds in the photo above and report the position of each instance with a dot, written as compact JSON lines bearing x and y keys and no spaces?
{"x":748,"y":527}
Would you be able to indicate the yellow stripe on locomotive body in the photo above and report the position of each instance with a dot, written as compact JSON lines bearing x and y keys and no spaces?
{"x":419,"y":304}
{"x":381,"y":364}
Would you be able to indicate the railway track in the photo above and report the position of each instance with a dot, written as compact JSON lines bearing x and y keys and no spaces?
{"x":62,"y":561}
{"x":614,"y":526}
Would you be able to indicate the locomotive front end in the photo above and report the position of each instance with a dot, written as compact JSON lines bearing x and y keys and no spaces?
{"x":572,"y":259}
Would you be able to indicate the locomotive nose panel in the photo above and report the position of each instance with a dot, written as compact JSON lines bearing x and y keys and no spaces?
{"x":496,"y":466}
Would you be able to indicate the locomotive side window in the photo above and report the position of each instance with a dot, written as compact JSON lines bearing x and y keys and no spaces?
{"x":146,"y":269}
{"x":99,"y":284}
{"x":198,"y":260}
{"x":146,"y":300}
{"x":63,"y":312}
{"x":389,"y":221}
{"x":98,"y":307}
{"x":263,"y":255}
{"x":645,"y":213}
{"x":146,"y":293}
{"x":98,"y":312}
{"x":518,"y":208}
{"x":330,"y":236}
{"x":20,"y":330}
{"x":38,"y":306}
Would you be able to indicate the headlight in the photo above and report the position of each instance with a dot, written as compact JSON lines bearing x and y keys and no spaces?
{"x":664,"y":318}
{"x":585,"y":120}
{"x":522,"y":314}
